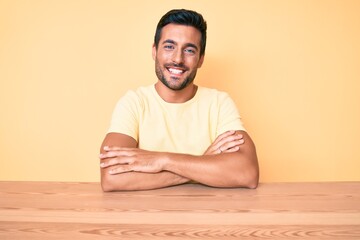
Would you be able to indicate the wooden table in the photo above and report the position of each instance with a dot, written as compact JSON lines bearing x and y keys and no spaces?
{"x":53,"y":210}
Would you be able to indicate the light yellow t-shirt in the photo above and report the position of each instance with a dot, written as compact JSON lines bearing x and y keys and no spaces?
{"x":188,"y":127}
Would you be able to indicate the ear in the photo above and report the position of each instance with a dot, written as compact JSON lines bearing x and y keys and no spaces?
{"x":154,"y":51}
{"x":201,"y":60}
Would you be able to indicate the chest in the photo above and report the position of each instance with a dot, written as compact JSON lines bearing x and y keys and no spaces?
{"x":183,"y":130}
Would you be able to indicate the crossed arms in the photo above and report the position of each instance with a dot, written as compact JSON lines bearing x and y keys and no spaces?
{"x":230,"y":161}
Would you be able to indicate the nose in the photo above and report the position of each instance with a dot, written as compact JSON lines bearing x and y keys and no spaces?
{"x":178,"y":56}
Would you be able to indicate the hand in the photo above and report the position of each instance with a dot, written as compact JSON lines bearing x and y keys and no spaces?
{"x":226,"y":142}
{"x":120,"y":160}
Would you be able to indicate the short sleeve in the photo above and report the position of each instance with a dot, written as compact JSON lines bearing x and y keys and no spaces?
{"x":229,"y":117}
{"x":125,"y":117}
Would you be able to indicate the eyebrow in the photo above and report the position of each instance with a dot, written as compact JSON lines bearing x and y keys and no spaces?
{"x":173,"y":42}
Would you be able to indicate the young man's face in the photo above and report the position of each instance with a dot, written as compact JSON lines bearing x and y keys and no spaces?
{"x":177,"y":57}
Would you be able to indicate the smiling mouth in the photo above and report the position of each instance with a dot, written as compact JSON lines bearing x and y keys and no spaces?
{"x":175,"y":71}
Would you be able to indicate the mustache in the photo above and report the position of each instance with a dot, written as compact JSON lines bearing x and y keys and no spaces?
{"x":176,"y":65}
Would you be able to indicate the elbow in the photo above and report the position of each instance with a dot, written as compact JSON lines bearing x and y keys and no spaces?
{"x":252,"y":183}
{"x":247,"y":181}
{"x":251,"y":175}
{"x":108,"y":182}
{"x":106,"y":188}
{"x":250,"y":179}
{"x":112,"y":183}
{"x":106,"y":185}
{"x":240,"y":180}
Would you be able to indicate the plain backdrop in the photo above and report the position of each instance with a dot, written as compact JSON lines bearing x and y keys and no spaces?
{"x":292,"y":67}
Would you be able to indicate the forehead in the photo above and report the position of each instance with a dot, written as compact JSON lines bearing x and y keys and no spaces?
{"x":181,"y":34}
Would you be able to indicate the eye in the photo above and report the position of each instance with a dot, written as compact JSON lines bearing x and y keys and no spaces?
{"x":169,"y":47}
{"x":190,"y":51}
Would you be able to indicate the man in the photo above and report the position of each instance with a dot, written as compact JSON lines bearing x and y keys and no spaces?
{"x":174,"y":131}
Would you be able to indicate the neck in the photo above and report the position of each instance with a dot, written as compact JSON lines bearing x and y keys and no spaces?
{"x":172,"y":96}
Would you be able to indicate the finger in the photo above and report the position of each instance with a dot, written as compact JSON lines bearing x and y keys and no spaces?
{"x":111,"y":148}
{"x":120,"y":169}
{"x":233,"y":149}
{"x":232,"y":144}
{"x":115,"y":148}
{"x":232,"y":139}
{"x":224,"y":135}
{"x":145,"y":167}
{"x":223,"y":138}
{"x":107,"y":155}
{"x":117,"y":153}
{"x":115,"y":161}
{"x":109,"y":163}
{"x":110,"y":154}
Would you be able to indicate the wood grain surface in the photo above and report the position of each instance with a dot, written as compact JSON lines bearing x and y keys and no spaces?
{"x":54,"y":210}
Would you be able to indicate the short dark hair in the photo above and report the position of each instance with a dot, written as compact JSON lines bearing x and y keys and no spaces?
{"x":183,"y":17}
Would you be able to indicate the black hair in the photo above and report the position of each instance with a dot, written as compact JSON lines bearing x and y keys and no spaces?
{"x":183,"y":17}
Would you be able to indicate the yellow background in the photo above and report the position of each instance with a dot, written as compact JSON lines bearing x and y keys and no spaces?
{"x":292,"y":67}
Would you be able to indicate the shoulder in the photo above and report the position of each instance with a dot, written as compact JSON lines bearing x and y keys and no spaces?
{"x":137,"y":96}
{"x":140,"y":92}
{"x":212,"y":94}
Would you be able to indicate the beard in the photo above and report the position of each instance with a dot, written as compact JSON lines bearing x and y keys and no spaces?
{"x":173,"y":83}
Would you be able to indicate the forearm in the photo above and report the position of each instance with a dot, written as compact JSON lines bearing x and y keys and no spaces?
{"x":139,"y":180}
{"x":131,"y":168}
{"x":223,"y":170}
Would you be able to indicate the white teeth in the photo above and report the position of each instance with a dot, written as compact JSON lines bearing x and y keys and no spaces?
{"x":175,"y":71}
